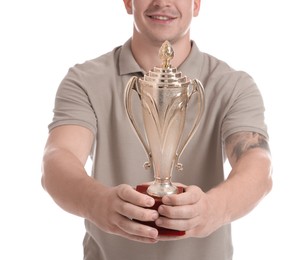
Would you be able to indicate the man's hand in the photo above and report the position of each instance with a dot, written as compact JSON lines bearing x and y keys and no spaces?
{"x":117,"y":208}
{"x":190,"y":211}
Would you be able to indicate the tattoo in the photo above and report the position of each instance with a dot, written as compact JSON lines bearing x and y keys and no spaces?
{"x":243,"y":141}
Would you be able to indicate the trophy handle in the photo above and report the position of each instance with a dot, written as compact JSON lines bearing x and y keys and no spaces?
{"x":133,"y":85}
{"x":197,"y":88}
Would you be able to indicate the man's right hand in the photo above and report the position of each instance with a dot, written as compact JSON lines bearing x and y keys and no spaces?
{"x":116,"y":208}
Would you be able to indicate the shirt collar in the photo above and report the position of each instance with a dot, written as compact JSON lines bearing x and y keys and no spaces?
{"x":127,"y":62}
{"x":192,"y":65}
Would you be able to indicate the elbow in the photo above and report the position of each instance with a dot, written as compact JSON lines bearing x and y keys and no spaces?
{"x":269,"y":181}
{"x":45,"y":173}
{"x":262,"y":162}
{"x":43,"y":178}
{"x":47,"y":169}
{"x":43,"y":183}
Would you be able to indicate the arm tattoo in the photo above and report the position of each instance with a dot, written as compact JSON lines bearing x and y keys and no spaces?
{"x":243,"y":141}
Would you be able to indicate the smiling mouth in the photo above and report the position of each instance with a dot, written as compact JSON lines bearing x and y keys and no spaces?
{"x":161,"y":18}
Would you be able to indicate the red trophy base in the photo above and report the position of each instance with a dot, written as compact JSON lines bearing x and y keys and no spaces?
{"x":161,"y":231}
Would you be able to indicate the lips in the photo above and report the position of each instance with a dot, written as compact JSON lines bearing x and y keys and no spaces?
{"x":162,"y":18}
{"x":159,"y":17}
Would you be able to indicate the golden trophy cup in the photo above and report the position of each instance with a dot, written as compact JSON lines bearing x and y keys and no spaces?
{"x":164,"y":94}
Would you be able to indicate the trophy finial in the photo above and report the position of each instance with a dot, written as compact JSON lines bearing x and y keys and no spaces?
{"x":166,"y":54}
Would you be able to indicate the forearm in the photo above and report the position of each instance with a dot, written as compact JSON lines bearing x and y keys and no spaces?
{"x":248,"y":182}
{"x":67,"y":182}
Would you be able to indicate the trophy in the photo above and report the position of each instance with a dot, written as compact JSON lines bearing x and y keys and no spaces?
{"x":164,"y":94}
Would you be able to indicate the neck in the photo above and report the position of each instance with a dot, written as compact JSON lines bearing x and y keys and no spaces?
{"x":146,"y":52}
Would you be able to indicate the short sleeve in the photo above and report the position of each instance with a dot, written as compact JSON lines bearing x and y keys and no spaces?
{"x":72,"y":103}
{"x":246,"y":112}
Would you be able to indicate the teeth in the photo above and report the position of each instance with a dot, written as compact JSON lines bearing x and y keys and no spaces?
{"x":164,"y":18}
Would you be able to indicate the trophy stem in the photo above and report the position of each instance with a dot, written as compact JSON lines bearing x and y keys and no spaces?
{"x":161,"y":187}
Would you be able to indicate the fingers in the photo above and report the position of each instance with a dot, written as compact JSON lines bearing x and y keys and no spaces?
{"x":135,"y":212}
{"x":178,"y":212}
{"x":129,"y":205}
{"x":181,"y":211}
{"x":126,"y":209}
{"x":191,"y":195}
{"x":129,"y":194}
{"x":135,"y":231}
{"x":133,"y":204}
{"x":178,"y":217}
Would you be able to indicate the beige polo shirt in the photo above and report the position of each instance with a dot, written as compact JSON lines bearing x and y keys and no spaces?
{"x":92,"y":95}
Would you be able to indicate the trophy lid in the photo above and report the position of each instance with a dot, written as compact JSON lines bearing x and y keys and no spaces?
{"x":166,"y":75}
{"x":166,"y":54}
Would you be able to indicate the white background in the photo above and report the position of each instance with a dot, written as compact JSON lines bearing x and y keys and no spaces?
{"x":40,"y":40}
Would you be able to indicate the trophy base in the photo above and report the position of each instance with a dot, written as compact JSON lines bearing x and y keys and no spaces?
{"x":158,"y":201}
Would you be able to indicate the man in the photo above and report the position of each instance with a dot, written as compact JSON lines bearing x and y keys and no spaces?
{"x":90,"y":120}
